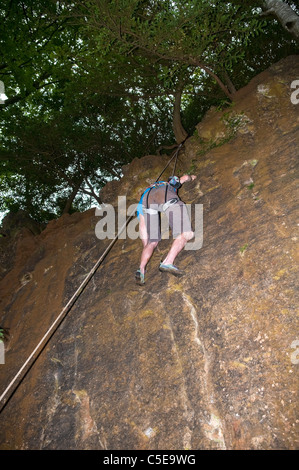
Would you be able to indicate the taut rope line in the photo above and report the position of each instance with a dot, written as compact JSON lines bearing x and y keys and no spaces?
{"x":55,"y":325}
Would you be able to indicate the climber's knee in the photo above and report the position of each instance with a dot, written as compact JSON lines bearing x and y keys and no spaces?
{"x":152,"y":244}
{"x":188,"y":235}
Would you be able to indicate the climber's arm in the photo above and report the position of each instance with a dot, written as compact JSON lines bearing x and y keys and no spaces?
{"x":185,"y":178}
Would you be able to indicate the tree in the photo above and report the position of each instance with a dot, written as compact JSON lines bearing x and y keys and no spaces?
{"x":91,"y":85}
{"x":176,"y":38}
{"x":52,"y":161}
{"x":36,"y":44}
{"x":286,"y":12}
{"x":287,"y":16}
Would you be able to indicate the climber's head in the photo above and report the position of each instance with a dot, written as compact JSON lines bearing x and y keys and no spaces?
{"x":174,"y":181}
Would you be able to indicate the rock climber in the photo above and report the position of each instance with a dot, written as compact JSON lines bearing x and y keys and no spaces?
{"x":162,"y":196}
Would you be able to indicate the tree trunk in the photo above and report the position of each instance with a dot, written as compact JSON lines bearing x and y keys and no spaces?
{"x":178,"y":129}
{"x":285,"y":15}
{"x":71,"y":198}
{"x":230,"y":86}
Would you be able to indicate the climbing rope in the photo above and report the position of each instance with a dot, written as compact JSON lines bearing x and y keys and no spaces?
{"x":175,"y":155}
{"x":28,"y":364}
{"x":176,"y":158}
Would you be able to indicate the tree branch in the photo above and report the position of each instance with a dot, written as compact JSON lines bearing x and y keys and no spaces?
{"x":287,"y":17}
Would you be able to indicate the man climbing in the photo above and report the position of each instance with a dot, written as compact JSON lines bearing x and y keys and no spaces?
{"x":160,"y":197}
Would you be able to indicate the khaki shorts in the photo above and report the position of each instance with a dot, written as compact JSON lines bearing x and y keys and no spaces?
{"x":178,"y":220}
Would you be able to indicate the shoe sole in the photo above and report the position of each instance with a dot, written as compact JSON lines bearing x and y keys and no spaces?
{"x":177,"y":273}
{"x":139,"y":281}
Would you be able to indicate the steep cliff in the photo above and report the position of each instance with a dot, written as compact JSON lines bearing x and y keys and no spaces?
{"x":207,"y":361}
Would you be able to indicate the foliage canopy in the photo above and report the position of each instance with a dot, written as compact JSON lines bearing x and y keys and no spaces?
{"x":91,"y":85}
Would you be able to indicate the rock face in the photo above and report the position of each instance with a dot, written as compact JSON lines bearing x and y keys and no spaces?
{"x":14,"y":226}
{"x":207,"y":361}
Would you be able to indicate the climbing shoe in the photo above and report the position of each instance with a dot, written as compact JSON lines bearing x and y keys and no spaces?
{"x":170,"y":268}
{"x":139,"y":278}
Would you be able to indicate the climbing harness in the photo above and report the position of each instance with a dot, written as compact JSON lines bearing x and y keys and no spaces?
{"x":174,"y":181}
{"x":28,"y":364}
{"x":166,"y":205}
{"x":169,"y":203}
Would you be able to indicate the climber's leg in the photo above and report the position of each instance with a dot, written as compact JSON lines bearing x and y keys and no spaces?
{"x":147,"y":224}
{"x":182,"y":231}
